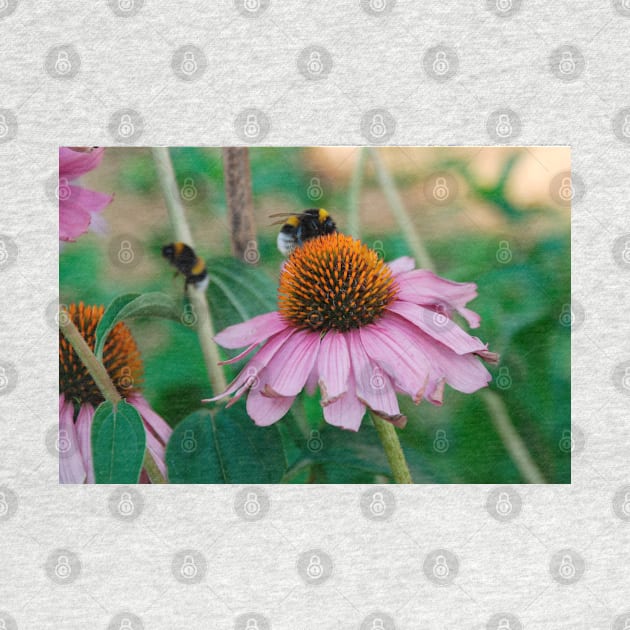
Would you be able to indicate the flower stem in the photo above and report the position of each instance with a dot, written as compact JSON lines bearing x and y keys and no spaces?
{"x":511,"y":439}
{"x":400,"y":213}
{"x":354,"y":195}
{"x":205,"y":328}
{"x":153,"y":472}
{"x":238,"y":194}
{"x":393,"y":450}
{"x":88,"y":358}
{"x":101,"y":378}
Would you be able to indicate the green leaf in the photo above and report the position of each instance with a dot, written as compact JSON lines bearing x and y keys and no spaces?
{"x":238,"y":292}
{"x":118,"y":443}
{"x":224,"y":447}
{"x":130,"y":306}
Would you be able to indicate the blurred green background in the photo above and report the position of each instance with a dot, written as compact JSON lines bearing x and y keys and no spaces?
{"x":499,"y":217}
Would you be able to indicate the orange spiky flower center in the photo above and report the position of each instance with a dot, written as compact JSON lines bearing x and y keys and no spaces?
{"x":334,"y":282}
{"x":121,"y":358}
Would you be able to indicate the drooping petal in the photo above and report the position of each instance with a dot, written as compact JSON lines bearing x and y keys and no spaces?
{"x":425,"y":288}
{"x":73,"y":164}
{"x":409,"y":369}
{"x":74,"y":221}
{"x":402,"y":264}
{"x":289,"y":368}
{"x":89,"y":200}
{"x":465,"y":373}
{"x":253,"y":331}
{"x":347,"y":411}
{"x":311,"y":381}
{"x":71,"y":468}
{"x":158,"y":452}
{"x":239,"y":356}
{"x":333,"y":366}
{"x":84,"y":435}
{"x":250,"y":374}
{"x":150,"y":418}
{"x":265,"y":410}
{"x":373,"y":385}
{"x":438,"y":326}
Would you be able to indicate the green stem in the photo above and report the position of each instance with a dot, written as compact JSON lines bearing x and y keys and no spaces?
{"x":400,"y":213}
{"x":511,"y":439}
{"x":205,"y":328}
{"x":153,"y":472}
{"x":354,"y":195}
{"x":101,"y":378}
{"x":393,"y":450}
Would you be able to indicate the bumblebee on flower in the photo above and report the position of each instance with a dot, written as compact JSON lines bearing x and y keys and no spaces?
{"x":360,"y":329}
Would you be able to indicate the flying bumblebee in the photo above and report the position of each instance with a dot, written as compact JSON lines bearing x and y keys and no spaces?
{"x":299,"y":228}
{"x":191,"y":266}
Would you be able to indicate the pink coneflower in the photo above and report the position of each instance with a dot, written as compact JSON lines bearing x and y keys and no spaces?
{"x":360,"y":329}
{"x":79,"y":396}
{"x":77,"y":205}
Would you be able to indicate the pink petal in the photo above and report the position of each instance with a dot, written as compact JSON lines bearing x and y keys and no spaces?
{"x":265,"y":410}
{"x":71,"y":469}
{"x":287,"y":372}
{"x":90,"y":200}
{"x":402,"y":264}
{"x":311,"y":381}
{"x":73,"y":164}
{"x":409,"y":368}
{"x":333,"y":366}
{"x":239,"y":356}
{"x":74,"y":220}
{"x":151,"y":419}
{"x":84,"y":436}
{"x":347,"y":411}
{"x":250,"y":374}
{"x":373,"y":385}
{"x":425,"y":288}
{"x":465,"y":373}
{"x":158,"y":452}
{"x":253,"y":331}
{"x":438,"y":326}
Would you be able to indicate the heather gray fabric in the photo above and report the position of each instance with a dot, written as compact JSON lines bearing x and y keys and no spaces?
{"x":303,"y":73}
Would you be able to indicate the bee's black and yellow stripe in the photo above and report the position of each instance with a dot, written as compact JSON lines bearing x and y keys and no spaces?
{"x":184,"y":259}
{"x":299,"y":228}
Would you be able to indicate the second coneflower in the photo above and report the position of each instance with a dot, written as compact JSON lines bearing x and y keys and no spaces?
{"x":362,"y":330}
{"x":79,"y":396}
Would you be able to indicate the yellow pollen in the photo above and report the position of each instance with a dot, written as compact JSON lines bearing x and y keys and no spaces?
{"x":121,"y":358}
{"x":334,"y":282}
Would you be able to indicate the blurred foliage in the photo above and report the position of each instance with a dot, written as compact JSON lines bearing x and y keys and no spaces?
{"x":520,"y":301}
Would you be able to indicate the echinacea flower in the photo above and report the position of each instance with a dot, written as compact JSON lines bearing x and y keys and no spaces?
{"x":77,"y":205}
{"x":362,"y":330}
{"x":79,"y":396}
